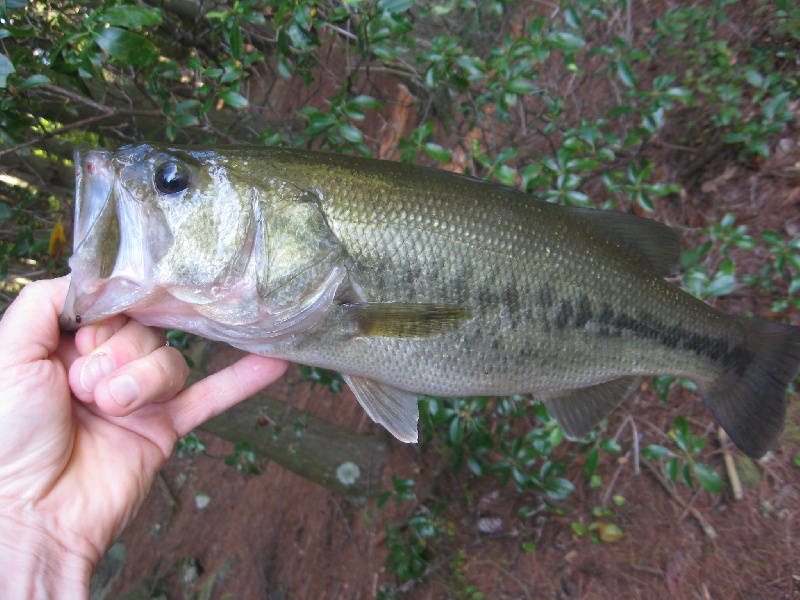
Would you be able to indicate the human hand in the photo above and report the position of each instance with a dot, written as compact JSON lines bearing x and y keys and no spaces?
{"x":86,"y":421}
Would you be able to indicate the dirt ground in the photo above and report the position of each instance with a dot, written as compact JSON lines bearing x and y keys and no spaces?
{"x":279,"y":536}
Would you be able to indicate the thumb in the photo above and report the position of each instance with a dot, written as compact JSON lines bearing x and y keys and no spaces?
{"x":29,"y":329}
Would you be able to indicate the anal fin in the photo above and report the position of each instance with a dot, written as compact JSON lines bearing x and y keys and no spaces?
{"x":395,"y":409}
{"x":578,"y":411}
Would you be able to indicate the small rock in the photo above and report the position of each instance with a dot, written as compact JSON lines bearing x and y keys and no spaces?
{"x":490,"y":524}
{"x":202,"y":500}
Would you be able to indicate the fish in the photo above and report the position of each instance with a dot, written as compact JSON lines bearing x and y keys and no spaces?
{"x":412,"y":280}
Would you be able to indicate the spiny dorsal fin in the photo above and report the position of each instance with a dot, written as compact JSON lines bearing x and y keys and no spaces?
{"x":578,"y":411}
{"x":405,"y":320}
{"x":389,"y":406}
{"x":658,"y":245}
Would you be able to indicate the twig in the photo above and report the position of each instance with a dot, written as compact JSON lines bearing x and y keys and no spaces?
{"x":75,"y":96}
{"x":607,"y":495}
{"x":162,"y":485}
{"x":342,"y":32}
{"x":505,"y":572}
{"x":109,"y":113}
{"x":705,"y":525}
{"x":636,"y":450}
{"x":347,"y":527}
{"x":730,"y":466}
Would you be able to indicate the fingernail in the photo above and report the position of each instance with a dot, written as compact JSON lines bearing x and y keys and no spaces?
{"x":98,"y":366}
{"x":123,"y":389}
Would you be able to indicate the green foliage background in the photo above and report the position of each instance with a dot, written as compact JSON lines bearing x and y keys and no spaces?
{"x":566,"y":100}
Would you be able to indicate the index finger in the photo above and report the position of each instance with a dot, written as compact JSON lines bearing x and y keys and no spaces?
{"x":218,"y":392}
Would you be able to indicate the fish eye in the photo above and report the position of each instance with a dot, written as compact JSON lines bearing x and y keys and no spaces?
{"x":171,"y":178}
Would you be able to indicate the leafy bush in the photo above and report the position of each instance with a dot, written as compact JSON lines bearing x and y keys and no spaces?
{"x":566,"y":101}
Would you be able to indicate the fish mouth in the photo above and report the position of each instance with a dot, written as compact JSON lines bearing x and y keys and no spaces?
{"x":111,"y":258}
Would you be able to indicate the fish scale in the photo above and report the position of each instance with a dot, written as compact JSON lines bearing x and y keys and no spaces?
{"x":412,"y":280}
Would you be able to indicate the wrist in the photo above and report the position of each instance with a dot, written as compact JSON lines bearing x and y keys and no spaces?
{"x":34,"y":564}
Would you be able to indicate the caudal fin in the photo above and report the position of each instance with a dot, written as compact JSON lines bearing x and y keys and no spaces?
{"x":750,"y":402}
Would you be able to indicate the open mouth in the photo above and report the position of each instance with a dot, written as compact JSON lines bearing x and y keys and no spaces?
{"x":109,"y":262}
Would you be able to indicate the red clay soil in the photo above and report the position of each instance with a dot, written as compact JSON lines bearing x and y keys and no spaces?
{"x":279,"y":536}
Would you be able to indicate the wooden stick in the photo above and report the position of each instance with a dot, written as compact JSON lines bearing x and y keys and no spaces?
{"x":705,"y":525}
{"x":730,"y":466}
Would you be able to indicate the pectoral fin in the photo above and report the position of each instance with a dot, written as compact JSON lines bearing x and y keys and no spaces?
{"x":392,"y":407}
{"x":577,"y":412}
{"x":405,"y":320}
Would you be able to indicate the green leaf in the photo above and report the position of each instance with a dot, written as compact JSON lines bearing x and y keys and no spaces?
{"x":671,"y":469}
{"x":186,"y":105}
{"x":707,"y":477}
{"x":654,"y":452}
{"x":621,"y":110}
{"x":132,"y":17}
{"x":721,"y":285}
{"x":506,"y":175}
{"x":126,"y":46}
{"x":686,"y":476}
{"x":350,"y":133}
{"x":365,"y":101}
{"x":567,"y":42}
{"x":475,"y":466}
{"x":625,"y":73}
{"x":233,"y":99}
{"x":456,"y":432}
{"x":578,"y":529}
{"x":592,"y":460}
{"x":33,"y":81}
{"x":186,"y":120}
{"x":5,"y":211}
{"x":776,"y":105}
{"x":558,"y":488}
{"x":437,"y":152}
{"x":235,"y":41}
{"x":520,"y":85}
{"x":611,"y":445}
{"x":735,"y":137}
{"x":394,"y":6}
{"x":679,"y":93}
{"x":6,"y":69}
{"x":754,"y":78}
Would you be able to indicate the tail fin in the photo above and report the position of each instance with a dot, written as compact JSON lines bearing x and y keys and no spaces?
{"x":750,"y":403}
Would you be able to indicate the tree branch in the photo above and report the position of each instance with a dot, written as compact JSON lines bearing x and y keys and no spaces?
{"x":107,"y":114}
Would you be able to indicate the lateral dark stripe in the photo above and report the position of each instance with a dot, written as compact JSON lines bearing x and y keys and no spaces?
{"x":607,"y":322}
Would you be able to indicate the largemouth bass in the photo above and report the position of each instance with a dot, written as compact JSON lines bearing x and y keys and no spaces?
{"x":412,"y":280}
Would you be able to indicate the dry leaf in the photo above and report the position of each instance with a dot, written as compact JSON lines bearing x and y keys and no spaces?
{"x":58,"y":242}
{"x":608,"y":532}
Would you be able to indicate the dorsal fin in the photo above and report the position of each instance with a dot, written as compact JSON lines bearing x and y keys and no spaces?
{"x":658,"y":245}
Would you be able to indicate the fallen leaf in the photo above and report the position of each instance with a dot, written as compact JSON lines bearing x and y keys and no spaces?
{"x":608,"y":532}
{"x":58,"y":242}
